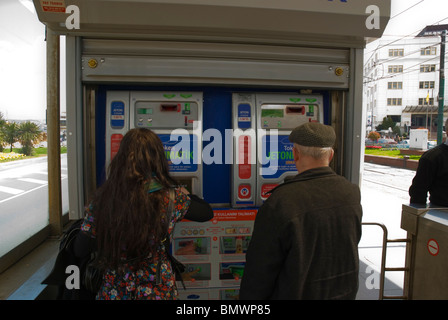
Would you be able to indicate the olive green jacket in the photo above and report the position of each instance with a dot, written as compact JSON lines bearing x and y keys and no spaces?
{"x":305,"y":240}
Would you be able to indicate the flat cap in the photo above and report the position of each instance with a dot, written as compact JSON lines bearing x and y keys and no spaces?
{"x":313,"y":134}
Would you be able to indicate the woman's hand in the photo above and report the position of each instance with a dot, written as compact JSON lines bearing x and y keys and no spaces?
{"x":184,"y":190}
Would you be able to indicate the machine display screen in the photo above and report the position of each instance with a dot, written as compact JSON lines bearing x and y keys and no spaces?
{"x":273,"y":113}
{"x":144,"y":111}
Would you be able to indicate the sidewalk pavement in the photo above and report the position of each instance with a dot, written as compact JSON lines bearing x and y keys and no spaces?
{"x":383,"y":190}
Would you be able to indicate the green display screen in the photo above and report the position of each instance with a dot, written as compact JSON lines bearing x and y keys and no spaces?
{"x":144,"y":111}
{"x":274,"y":113}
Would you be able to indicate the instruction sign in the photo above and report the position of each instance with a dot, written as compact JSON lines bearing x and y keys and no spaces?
{"x":185,"y":159}
{"x":53,"y":5}
{"x":214,"y":252}
{"x":279,"y":161}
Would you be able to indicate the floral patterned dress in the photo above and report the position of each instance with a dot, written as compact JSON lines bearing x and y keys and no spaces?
{"x":141,"y":284}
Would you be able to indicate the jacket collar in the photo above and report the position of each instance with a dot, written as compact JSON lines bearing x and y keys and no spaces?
{"x":311,"y":174}
{"x":314,"y":173}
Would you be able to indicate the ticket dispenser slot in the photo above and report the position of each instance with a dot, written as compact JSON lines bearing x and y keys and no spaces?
{"x":176,"y":117}
{"x":295,"y":110}
{"x":277,"y":116}
{"x":169,"y":107}
{"x":244,"y":150}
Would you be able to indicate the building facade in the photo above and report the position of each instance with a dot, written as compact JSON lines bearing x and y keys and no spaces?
{"x":401,"y":81}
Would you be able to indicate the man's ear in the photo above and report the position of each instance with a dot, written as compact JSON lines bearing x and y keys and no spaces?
{"x":331,"y":155}
{"x":295,"y":154}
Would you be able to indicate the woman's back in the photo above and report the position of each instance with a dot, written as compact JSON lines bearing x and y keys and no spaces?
{"x":139,"y":281}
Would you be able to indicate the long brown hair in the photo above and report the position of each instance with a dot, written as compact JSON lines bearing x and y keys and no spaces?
{"x":128,"y":218}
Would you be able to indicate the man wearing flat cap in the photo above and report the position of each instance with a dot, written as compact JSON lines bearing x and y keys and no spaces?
{"x":305,"y":239}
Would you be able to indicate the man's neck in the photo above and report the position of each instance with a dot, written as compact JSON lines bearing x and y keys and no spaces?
{"x":302,"y":167}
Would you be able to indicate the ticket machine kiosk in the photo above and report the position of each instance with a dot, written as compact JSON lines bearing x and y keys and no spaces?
{"x":262,"y":151}
{"x":282,"y":113}
{"x":214,"y":252}
{"x":176,"y":117}
{"x":256,"y":134}
{"x":166,"y":64}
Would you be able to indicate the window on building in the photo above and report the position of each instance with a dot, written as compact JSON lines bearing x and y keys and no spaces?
{"x":422,"y":102}
{"x":395,"y":85}
{"x":394,"y":101}
{"x":428,"y":68}
{"x":431,"y":51}
{"x":418,"y":120}
{"x":395,"y":69}
{"x":426,"y":84}
{"x":396,"y":52}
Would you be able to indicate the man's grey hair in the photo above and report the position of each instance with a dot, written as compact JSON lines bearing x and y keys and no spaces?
{"x":314,"y":152}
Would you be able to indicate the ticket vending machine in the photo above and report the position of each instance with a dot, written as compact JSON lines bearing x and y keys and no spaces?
{"x":277,"y":116}
{"x":214,"y":251}
{"x":262,"y":151}
{"x":176,"y":117}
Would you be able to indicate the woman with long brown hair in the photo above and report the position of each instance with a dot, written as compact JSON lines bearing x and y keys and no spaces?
{"x":129,"y":220}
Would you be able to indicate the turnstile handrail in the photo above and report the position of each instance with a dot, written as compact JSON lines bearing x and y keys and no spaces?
{"x":383,"y":268}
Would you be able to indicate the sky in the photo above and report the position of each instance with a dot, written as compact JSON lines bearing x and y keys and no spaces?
{"x":408,"y":17}
{"x":22,"y":67}
{"x":22,"y":50}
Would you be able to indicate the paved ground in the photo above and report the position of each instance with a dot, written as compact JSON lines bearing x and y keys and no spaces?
{"x":384,"y":190}
{"x":24,"y":199}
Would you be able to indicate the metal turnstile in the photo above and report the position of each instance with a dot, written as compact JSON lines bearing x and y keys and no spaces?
{"x":383,"y":267}
{"x":426,"y":251}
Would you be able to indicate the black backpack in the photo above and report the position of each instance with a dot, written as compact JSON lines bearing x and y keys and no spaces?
{"x":65,"y":258}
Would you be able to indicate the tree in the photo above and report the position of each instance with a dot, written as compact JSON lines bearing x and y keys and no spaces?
{"x":29,"y":134}
{"x":386,"y":124}
{"x":389,"y":123}
{"x":373,"y":135}
{"x":10,"y":132}
{"x":2,"y":123}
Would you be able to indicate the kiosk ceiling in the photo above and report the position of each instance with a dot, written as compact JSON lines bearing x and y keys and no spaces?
{"x":316,"y":21}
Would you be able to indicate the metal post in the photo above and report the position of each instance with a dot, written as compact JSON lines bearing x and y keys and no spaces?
{"x":441,"y":88}
{"x":53,"y":134}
